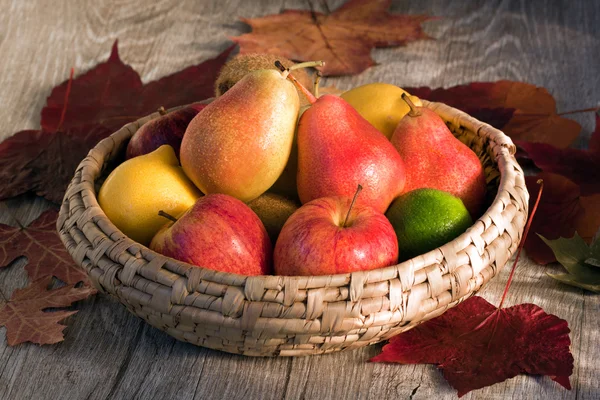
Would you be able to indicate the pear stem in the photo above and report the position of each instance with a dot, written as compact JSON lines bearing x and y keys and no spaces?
{"x":162,"y":111}
{"x":167,"y":216}
{"x":316,"y":85}
{"x":307,"y":64}
{"x":286,"y":74}
{"x":413,"y":109}
{"x":358,"y":189}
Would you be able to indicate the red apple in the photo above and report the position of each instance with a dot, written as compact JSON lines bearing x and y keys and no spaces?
{"x":316,"y":241}
{"x":218,"y":232}
{"x":166,"y":129}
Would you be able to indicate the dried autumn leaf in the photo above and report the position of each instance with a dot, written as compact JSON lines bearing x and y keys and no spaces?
{"x":343,"y":39}
{"x":534,"y":117}
{"x":81,"y":112}
{"x":476,"y":344}
{"x":561,"y":212}
{"x":581,"y":261}
{"x":24,"y":318}
{"x":40,"y":243}
{"x":580,"y":166}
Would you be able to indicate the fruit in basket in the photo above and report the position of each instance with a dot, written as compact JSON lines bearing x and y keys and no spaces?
{"x":337,"y":148}
{"x":239,"y":66}
{"x":425,"y":219}
{"x":436,"y":159}
{"x":273,"y":210}
{"x":220,"y":233}
{"x":139,"y":188}
{"x":381,"y":104}
{"x":166,"y":129}
{"x":329,"y":235}
{"x":287,"y":185}
{"x":240,"y":143}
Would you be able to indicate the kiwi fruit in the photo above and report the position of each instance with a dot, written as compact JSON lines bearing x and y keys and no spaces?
{"x":240,"y":65}
{"x":273,"y":210}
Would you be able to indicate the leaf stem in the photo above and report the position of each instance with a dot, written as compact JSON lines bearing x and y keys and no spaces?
{"x":358,"y":189}
{"x":3,"y":296}
{"x":66,"y":101}
{"x":514,"y":266}
{"x":580,"y":111}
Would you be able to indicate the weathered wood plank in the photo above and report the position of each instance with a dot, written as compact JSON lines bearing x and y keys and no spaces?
{"x":109,"y":353}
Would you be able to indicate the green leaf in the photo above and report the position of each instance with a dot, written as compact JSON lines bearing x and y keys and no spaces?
{"x":581,"y":261}
{"x":573,"y":281}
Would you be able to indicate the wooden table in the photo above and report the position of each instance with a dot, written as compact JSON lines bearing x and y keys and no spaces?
{"x":109,"y":353}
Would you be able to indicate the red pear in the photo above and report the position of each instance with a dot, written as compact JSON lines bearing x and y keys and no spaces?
{"x":338,"y":149}
{"x":435,"y":159}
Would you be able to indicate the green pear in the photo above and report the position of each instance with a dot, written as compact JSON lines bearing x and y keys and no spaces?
{"x":241,"y":142}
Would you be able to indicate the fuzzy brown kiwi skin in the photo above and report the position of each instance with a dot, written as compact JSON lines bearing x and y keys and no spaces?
{"x":240,"y":65}
{"x":273,"y":210}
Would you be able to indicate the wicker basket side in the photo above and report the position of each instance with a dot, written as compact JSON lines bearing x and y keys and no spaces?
{"x":275,"y":315}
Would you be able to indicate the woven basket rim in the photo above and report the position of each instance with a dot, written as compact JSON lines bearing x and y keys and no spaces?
{"x":465,"y":120}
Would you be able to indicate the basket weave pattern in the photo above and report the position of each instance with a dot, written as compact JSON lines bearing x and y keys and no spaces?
{"x":288,"y":316}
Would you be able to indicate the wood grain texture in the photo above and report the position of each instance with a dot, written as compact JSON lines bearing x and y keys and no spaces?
{"x":110,"y":354}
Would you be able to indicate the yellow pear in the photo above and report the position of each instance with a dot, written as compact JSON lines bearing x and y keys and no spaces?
{"x":139,"y":188}
{"x":241,"y":142}
{"x":381,"y":104}
{"x":286,"y":185}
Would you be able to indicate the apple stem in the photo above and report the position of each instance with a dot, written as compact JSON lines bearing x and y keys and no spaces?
{"x":286,"y":74}
{"x":358,"y":189}
{"x":162,"y":111}
{"x":316,"y":84}
{"x":167,"y":216}
{"x":413,"y":109}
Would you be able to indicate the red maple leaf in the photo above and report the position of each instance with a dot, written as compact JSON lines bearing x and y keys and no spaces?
{"x":82,"y":111}
{"x":39,"y":242}
{"x":561,"y":211}
{"x":476,"y":344}
{"x":534,"y":117}
{"x":343,"y":38}
{"x":25,"y":319}
{"x":582,"y":167}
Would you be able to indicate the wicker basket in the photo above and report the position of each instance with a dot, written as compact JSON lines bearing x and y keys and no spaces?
{"x":293,"y":316}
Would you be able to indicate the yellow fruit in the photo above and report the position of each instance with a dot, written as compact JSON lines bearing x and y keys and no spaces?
{"x":286,"y":184}
{"x":425,"y":219}
{"x":241,"y":142}
{"x":381,"y":104}
{"x":138,"y":189}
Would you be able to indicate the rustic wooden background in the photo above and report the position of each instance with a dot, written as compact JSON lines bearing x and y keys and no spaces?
{"x":110,"y":354}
